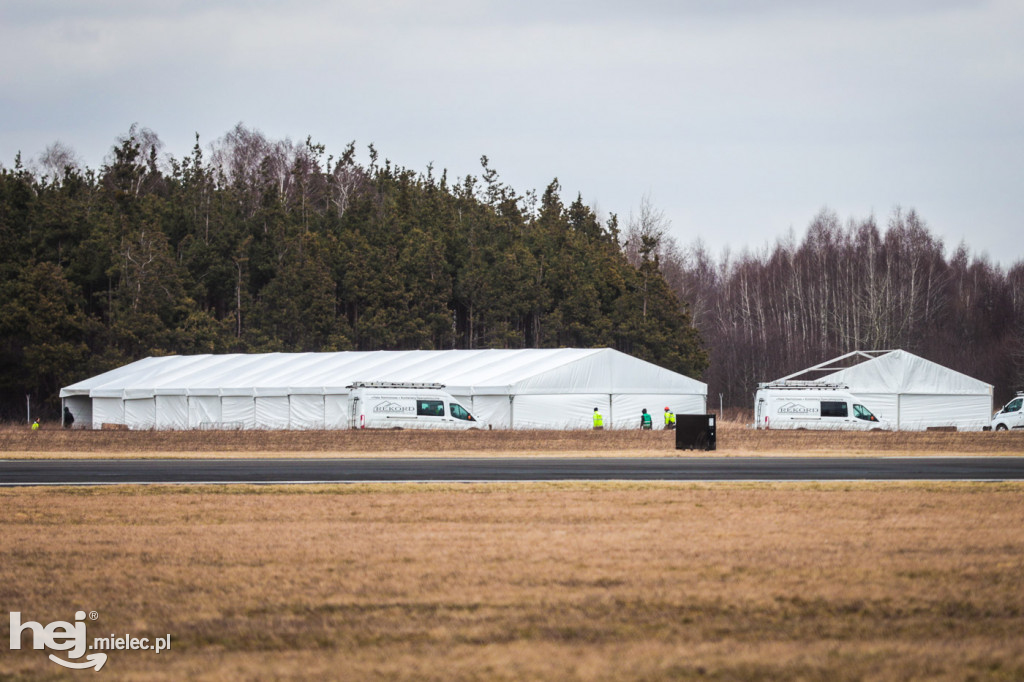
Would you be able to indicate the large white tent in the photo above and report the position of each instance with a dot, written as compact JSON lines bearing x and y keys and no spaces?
{"x":909,"y":391}
{"x":522,"y":389}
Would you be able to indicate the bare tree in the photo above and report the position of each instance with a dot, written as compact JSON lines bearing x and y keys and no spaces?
{"x":239,"y":156}
{"x":645,"y":233}
{"x":133,"y":166}
{"x":848,"y":287}
{"x":346,"y":177}
{"x":56,"y":161}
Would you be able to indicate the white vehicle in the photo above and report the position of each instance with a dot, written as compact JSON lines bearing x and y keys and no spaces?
{"x":388,"y":405}
{"x":1011,"y":416}
{"x":812,"y":405}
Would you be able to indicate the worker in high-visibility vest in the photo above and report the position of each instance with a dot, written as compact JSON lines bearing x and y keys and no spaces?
{"x":645,"y":420}
{"x":598,"y":421}
{"x":670,"y":420}
{"x":35,"y":425}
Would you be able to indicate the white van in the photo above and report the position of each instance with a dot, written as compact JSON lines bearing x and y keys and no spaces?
{"x":389,"y":405}
{"x":1011,"y":416}
{"x":812,"y":405}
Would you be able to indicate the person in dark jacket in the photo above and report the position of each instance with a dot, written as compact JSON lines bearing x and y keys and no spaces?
{"x":645,"y":420}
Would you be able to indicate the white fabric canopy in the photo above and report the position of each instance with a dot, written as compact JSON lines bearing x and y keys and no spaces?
{"x":916,"y":394}
{"x":529,"y":388}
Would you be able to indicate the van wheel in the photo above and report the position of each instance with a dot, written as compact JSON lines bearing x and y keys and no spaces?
{"x":1001,"y":427}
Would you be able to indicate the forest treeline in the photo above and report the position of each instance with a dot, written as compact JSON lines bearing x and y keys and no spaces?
{"x":843,"y":287}
{"x":257,"y":245}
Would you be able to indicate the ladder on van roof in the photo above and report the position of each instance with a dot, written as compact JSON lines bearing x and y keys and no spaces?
{"x":793,"y":384}
{"x":394,"y":384}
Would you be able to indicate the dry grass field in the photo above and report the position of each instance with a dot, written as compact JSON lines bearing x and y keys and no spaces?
{"x":647,"y":581}
{"x":871,"y":581}
{"x":734,"y":439}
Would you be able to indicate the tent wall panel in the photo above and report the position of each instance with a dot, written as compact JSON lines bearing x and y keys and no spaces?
{"x":204,"y":412}
{"x":171,"y":412}
{"x":238,"y":412}
{"x":687,"y":404}
{"x":107,"y":411}
{"x":306,"y":412}
{"x":918,"y":412}
{"x":495,"y":410}
{"x":140,"y":414}
{"x":626,"y":409}
{"x":336,"y":414}
{"x":81,"y":409}
{"x":567,"y":411}
{"x":272,"y":412}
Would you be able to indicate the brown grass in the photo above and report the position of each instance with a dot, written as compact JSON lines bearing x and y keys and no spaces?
{"x":528,"y":581}
{"x":734,"y":439}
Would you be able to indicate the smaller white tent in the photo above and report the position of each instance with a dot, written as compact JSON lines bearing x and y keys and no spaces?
{"x":909,"y":391}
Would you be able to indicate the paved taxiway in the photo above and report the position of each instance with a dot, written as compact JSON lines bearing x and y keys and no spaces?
{"x":122,"y":471}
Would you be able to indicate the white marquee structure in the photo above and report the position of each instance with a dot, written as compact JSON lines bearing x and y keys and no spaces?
{"x":907,"y":390}
{"x":521,"y":389}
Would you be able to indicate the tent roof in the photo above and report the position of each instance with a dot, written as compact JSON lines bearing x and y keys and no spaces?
{"x":492,"y":371}
{"x":904,"y":373}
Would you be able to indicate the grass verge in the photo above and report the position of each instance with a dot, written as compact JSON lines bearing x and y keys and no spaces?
{"x":733,"y":440}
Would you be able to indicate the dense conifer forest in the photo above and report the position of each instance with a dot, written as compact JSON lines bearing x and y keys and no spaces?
{"x":257,"y":245}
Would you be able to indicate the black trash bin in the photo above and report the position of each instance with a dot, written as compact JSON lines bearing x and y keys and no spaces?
{"x":695,"y":432}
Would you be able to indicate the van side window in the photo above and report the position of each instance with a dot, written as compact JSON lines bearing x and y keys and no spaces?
{"x":459,"y":412}
{"x":861,"y":412}
{"x":430,"y":408}
{"x":1014,"y":405}
{"x":833,"y":408}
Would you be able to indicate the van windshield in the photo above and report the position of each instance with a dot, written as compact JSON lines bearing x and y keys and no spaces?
{"x":861,"y":412}
{"x":459,"y":412}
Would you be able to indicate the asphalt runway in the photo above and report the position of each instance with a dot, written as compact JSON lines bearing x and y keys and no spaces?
{"x":265,"y":471}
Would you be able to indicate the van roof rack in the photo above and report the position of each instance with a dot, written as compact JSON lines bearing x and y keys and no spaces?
{"x":394,"y":384}
{"x":793,"y":384}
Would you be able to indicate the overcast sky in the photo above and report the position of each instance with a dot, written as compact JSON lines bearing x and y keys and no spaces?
{"x":739,"y":119}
